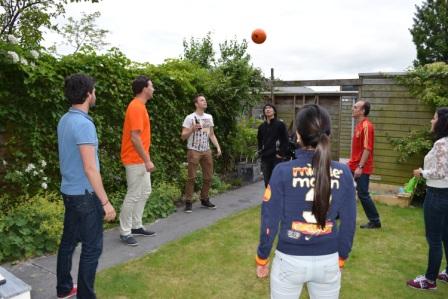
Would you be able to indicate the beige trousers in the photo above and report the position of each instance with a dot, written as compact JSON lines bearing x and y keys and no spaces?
{"x":139,"y":189}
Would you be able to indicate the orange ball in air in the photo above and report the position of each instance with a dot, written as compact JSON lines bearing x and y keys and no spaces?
{"x":258,"y":36}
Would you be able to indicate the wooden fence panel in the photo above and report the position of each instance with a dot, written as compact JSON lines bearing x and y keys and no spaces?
{"x":394,"y":113}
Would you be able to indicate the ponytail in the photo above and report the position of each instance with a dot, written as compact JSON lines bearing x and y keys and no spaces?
{"x":314,"y":127}
{"x":322,"y":191}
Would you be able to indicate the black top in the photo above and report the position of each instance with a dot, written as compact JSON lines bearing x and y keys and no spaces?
{"x":268,"y":135}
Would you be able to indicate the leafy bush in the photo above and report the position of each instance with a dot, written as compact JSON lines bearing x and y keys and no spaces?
{"x":31,"y":229}
{"x":161,"y":202}
{"x":30,"y":180}
{"x":429,"y":84}
{"x":32,"y":101}
{"x":415,"y":144}
{"x":244,"y":140}
{"x":218,"y":185}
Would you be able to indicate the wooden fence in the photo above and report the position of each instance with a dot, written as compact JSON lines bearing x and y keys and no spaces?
{"x":394,"y":113}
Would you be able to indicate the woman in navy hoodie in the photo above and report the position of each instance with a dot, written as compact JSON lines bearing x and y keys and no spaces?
{"x":305,"y":196}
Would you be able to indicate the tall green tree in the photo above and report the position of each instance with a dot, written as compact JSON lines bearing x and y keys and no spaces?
{"x":235,"y":87}
{"x":84,"y":33}
{"x":200,"y":51}
{"x":26,"y":19}
{"x":430,"y":32}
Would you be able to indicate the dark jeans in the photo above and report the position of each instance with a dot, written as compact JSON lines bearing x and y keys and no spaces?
{"x":435,"y":209}
{"x":362,"y":187}
{"x":267,"y":166}
{"x":83,"y":222}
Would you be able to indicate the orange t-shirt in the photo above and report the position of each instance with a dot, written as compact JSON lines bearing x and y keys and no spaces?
{"x":136,"y":119}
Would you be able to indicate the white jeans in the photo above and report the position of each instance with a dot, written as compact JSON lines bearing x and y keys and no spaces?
{"x":321,"y":274}
{"x":139,"y":189}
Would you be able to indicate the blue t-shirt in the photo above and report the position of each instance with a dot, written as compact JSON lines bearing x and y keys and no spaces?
{"x":288,"y":203}
{"x":75,"y":128}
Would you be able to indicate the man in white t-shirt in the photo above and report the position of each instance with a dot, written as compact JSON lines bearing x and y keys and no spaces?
{"x":198,"y":129}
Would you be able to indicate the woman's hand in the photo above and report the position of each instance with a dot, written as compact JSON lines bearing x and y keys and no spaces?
{"x":418,"y":172}
{"x":262,"y":271}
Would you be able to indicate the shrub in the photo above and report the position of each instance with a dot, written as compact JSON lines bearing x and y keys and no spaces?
{"x":415,"y":144}
{"x":31,"y":229}
{"x":161,"y":202}
{"x":429,"y":84}
{"x":218,"y":185}
{"x":244,"y":140}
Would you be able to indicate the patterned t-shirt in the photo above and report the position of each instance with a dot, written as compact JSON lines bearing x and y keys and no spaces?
{"x":198,"y":141}
{"x":435,"y":168}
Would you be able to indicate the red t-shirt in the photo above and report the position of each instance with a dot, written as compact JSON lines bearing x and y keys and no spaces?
{"x":136,"y":119}
{"x":363,"y":138}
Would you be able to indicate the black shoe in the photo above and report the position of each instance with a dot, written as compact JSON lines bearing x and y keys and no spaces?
{"x":129,"y":240}
{"x":207,"y":204}
{"x":371,"y":225}
{"x":188,"y":207}
{"x":142,"y":232}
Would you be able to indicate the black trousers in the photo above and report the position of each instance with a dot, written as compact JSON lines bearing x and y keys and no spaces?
{"x":267,"y":166}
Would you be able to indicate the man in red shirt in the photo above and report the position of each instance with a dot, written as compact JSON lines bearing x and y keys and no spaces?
{"x":361,"y":161}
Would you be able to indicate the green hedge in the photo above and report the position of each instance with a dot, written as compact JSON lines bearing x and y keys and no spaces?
{"x":32,"y":101}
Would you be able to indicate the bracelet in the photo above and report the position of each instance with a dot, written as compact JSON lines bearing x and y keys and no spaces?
{"x":360,"y":166}
{"x":260,"y":261}
{"x":105,"y":203}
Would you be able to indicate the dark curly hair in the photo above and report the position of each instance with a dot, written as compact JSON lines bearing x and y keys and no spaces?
{"x":77,"y":86}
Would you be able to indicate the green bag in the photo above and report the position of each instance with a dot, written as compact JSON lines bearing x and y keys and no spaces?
{"x":410,"y":185}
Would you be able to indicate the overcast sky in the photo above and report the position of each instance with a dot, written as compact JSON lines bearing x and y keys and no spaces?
{"x":306,"y":39}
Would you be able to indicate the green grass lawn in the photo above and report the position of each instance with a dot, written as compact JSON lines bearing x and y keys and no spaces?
{"x":218,"y":262}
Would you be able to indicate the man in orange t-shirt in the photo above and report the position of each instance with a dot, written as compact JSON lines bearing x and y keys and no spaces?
{"x":135,"y":148}
{"x":361,"y":161}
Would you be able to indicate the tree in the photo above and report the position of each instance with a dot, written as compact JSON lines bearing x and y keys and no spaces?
{"x":430,"y":32}
{"x":235,"y":87}
{"x":84,"y":33}
{"x":26,"y":19}
{"x":200,"y":52}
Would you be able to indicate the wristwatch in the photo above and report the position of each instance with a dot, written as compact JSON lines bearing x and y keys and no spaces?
{"x":360,"y":166}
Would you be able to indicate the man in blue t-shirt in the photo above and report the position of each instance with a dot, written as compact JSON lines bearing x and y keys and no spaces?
{"x":85,"y":200}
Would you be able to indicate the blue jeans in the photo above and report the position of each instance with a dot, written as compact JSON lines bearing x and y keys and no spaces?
{"x":83,"y":222}
{"x":435,"y":209}
{"x":362,"y":188}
